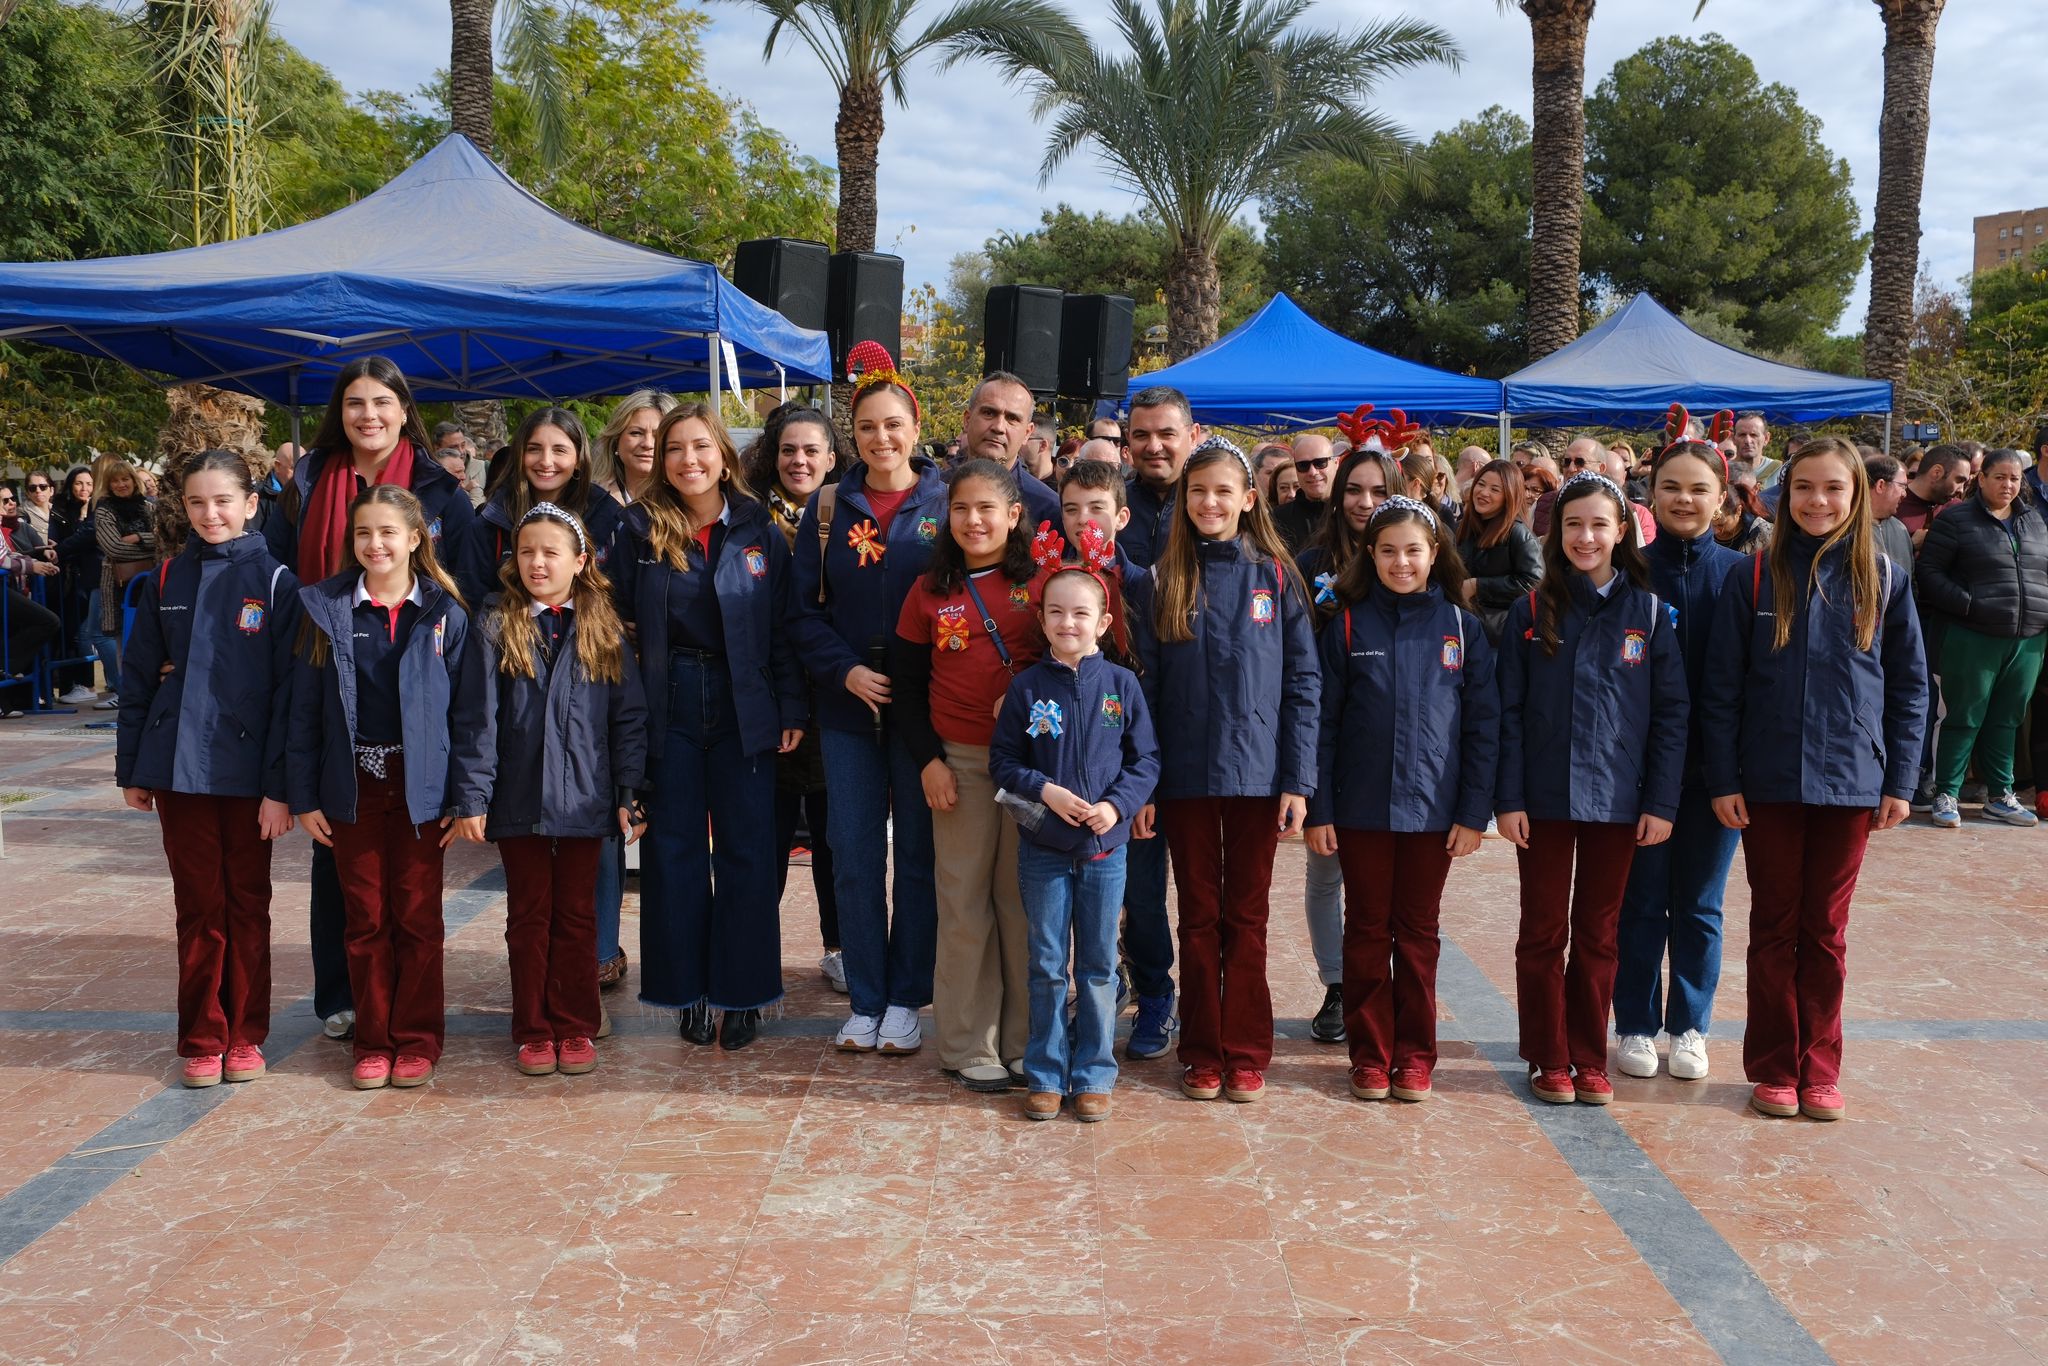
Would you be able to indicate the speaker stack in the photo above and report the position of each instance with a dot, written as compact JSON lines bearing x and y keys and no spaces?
{"x":787,"y":274}
{"x":1077,"y":346}
{"x":1095,"y":346}
{"x":851,"y":296}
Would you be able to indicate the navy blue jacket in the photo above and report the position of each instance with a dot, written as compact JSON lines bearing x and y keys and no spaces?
{"x":1242,"y":694}
{"x":545,"y":755}
{"x":215,"y":724}
{"x":1041,"y":500}
{"x":753,"y":584}
{"x":320,"y":756}
{"x":855,"y":623}
{"x":1144,"y":536}
{"x":1410,"y":733}
{"x":1691,"y":576}
{"x":1595,"y":732}
{"x":1819,"y":722}
{"x":475,"y":557}
{"x":1086,"y":729}
{"x":447,"y":507}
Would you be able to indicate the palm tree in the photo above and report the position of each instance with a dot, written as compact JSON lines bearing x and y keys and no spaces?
{"x":1208,"y":102}
{"x":1558,"y":151}
{"x":1901,"y":165}
{"x":865,"y":46}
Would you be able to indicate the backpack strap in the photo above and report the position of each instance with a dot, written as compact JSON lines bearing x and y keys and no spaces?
{"x":1756,"y":579}
{"x":270,"y":598}
{"x":1347,"y":629}
{"x":828,"y":501}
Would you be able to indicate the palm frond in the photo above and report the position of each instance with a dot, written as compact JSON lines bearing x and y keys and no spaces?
{"x":531,"y":33}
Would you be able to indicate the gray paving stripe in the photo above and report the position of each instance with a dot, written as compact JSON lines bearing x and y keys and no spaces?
{"x":67,"y":1185}
{"x":1730,"y":1307}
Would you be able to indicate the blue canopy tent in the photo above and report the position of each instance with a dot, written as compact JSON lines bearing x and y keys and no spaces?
{"x":1282,"y":368}
{"x":473,"y":286}
{"x":1628,"y":371}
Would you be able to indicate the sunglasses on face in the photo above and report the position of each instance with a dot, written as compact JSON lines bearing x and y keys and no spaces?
{"x":37,"y":488}
{"x":1320,"y":462}
{"x":1577,"y":462}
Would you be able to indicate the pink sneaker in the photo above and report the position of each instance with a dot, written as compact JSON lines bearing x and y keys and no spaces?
{"x":1779,"y":1102}
{"x":1201,"y":1083}
{"x":1411,"y":1083}
{"x":579,"y":1055}
{"x":411,"y":1070}
{"x":1591,"y":1087}
{"x":244,"y":1062}
{"x":1822,"y":1102}
{"x":372,"y":1073}
{"x":1244,"y":1085}
{"x":1368,"y":1083}
{"x":1552,"y":1085}
{"x":537,"y":1059}
{"x":202,"y":1071}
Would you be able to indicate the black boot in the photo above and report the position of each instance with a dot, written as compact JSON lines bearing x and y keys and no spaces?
{"x":1328,"y":1025}
{"x":697,"y":1026}
{"x":738,"y":1029}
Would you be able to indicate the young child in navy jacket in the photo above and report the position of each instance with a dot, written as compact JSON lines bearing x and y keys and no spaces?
{"x":550,"y":749}
{"x":1222,"y":626}
{"x":1816,"y":686}
{"x":1592,"y":744}
{"x":367,"y":765}
{"x":1075,"y":755}
{"x":205,"y":703}
{"x":1405,"y":770}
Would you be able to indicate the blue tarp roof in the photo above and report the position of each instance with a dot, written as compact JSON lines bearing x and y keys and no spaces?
{"x":1282,"y":368}
{"x":1631,"y":368}
{"x":473,"y":286}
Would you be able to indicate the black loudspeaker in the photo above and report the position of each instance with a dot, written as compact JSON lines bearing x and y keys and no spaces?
{"x":1095,"y":345}
{"x":864,"y":302}
{"x":1021,"y":334}
{"x":788,"y":274}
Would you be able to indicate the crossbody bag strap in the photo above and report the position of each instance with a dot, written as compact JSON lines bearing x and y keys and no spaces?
{"x":988,"y":623}
{"x":828,"y":499}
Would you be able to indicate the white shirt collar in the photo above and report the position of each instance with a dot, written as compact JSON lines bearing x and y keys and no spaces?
{"x":1606,"y":590}
{"x":536,"y":607}
{"x":415,"y":597}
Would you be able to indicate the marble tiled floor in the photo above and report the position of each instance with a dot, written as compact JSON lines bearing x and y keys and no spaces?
{"x":791,"y":1204}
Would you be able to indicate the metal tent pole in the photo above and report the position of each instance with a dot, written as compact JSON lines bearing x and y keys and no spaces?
{"x":291,"y":381}
{"x":1506,"y":433}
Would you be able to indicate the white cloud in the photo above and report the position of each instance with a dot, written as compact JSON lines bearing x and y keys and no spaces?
{"x":960,"y":163}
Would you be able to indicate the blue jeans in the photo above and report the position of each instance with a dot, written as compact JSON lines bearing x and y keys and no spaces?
{"x":888,"y":961}
{"x":1071,"y":900}
{"x":1148,"y":938}
{"x":1674,"y":901}
{"x":1323,"y":899}
{"x":92,"y":640}
{"x":710,"y":930}
{"x":611,"y":893}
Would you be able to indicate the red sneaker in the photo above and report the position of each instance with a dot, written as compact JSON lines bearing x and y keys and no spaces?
{"x":1821,"y":1102}
{"x":537,"y":1059}
{"x":1591,"y":1087}
{"x":1411,"y":1083}
{"x":411,"y":1070}
{"x":1552,"y":1085}
{"x":202,"y":1071}
{"x":1369,"y":1083}
{"x":372,"y":1072}
{"x":244,"y":1062}
{"x":1201,"y":1083}
{"x":1243,"y":1085}
{"x":1779,"y":1102}
{"x":579,"y":1055}
{"x":2041,"y":801}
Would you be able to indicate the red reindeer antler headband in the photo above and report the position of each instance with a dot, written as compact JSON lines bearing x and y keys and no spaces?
{"x":1678,"y":429}
{"x":1371,"y":433}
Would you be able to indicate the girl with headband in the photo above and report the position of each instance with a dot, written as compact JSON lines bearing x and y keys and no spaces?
{"x":1223,"y":627}
{"x":550,"y":751}
{"x":1405,"y":766}
{"x":1592,"y":743}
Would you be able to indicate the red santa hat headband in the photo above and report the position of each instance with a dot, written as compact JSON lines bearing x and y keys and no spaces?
{"x":869,"y":365}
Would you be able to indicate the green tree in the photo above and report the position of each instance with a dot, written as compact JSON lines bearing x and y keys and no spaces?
{"x":1436,"y":273}
{"x":1713,"y":190}
{"x":1202,"y":104}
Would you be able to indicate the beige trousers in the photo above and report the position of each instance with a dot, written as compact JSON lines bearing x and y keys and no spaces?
{"x":981,"y":976}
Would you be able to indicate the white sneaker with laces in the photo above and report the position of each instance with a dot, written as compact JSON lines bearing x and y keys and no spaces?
{"x":900,"y":1032}
{"x":1637,"y":1055}
{"x":340,"y":1025}
{"x":78,"y":695}
{"x":1689,"y":1055}
{"x":857,"y":1035}
{"x":833,"y":965}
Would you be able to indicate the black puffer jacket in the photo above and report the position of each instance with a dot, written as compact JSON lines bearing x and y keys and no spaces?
{"x":1503,"y":572}
{"x":1988,"y":575}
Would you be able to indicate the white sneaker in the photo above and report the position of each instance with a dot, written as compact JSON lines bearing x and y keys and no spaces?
{"x":340,"y":1025}
{"x":857,"y":1035}
{"x":604,"y":1022}
{"x":78,"y":695}
{"x":1637,"y":1055}
{"x":900,"y":1032}
{"x":107,"y":704}
{"x":1689,"y":1055}
{"x":833,"y":965}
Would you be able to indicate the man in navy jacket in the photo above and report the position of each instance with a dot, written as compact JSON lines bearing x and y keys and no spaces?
{"x":997,"y":426}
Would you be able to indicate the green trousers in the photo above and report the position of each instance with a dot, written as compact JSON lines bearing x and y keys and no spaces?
{"x":1986,"y":683}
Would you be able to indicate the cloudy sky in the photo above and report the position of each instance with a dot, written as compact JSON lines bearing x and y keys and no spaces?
{"x":961,"y":162}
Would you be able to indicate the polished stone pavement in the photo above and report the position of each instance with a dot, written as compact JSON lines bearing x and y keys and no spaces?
{"x":791,"y":1204}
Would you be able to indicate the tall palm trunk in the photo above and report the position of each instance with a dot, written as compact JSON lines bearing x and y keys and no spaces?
{"x":1194,"y":298}
{"x":1559,"y":153}
{"x":1901,"y":166}
{"x":471,"y":90}
{"x":858,"y":133}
